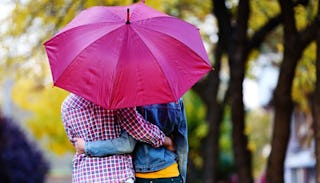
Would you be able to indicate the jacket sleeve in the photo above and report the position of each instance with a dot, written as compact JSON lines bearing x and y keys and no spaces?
{"x":180,"y":137}
{"x":121,"y":145}
{"x":139,"y":128}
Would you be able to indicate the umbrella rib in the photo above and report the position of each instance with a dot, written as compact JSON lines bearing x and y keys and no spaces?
{"x":116,"y":68}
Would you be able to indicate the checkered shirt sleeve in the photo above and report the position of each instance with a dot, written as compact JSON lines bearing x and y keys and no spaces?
{"x":139,"y":128}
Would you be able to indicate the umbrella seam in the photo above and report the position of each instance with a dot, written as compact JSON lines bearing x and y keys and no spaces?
{"x":117,"y":65}
{"x":168,"y":83}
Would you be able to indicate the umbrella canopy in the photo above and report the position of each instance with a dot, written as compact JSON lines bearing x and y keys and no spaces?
{"x":125,"y":56}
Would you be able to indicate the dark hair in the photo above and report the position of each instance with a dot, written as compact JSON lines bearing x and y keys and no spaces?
{"x":20,"y":160}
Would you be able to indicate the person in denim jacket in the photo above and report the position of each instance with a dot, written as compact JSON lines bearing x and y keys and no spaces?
{"x":150,"y":163}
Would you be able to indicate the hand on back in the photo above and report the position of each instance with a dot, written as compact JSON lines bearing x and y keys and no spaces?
{"x":79,"y":145}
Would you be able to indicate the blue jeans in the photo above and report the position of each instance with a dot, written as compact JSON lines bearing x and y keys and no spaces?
{"x":160,"y":180}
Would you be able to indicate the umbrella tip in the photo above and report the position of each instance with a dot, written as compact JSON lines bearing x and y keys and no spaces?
{"x":128,"y":15}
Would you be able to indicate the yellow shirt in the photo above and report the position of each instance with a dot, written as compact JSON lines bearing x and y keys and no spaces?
{"x":170,"y":171}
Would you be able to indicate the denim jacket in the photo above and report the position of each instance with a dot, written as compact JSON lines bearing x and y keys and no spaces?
{"x":171,"y":119}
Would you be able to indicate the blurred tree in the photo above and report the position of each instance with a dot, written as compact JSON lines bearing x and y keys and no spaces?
{"x":316,"y":104}
{"x":225,"y":163}
{"x":241,"y":32}
{"x":197,"y":130}
{"x":44,"y":104}
{"x":236,"y":41}
{"x":304,"y":80}
{"x":295,"y":41}
{"x":20,"y":160}
{"x":258,"y":129}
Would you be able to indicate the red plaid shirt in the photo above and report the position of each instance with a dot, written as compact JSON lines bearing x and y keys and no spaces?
{"x":86,"y":120}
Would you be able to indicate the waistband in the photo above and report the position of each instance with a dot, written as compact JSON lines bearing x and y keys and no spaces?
{"x":177,"y":179}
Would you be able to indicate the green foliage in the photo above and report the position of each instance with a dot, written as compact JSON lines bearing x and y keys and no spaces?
{"x":261,"y":11}
{"x":226,"y":159}
{"x":191,"y":8}
{"x":225,"y":134}
{"x":305,"y":14}
{"x":305,"y":78}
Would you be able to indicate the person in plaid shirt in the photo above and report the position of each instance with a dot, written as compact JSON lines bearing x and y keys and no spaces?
{"x":84,"y":119}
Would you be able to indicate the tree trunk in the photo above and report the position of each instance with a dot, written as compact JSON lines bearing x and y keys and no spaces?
{"x":281,"y":131}
{"x":241,"y":154}
{"x":238,"y":47}
{"x":208,"y":93}
{"x":283,"y":108}
{"x":294,"y":44}
{"x":211,"y":146}
{"x":214,"y":118}
{"x":238,"y":56}
{"x":208,"y":90}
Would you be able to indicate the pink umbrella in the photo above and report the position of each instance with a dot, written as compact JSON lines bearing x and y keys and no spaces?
{"x":125,"y":56}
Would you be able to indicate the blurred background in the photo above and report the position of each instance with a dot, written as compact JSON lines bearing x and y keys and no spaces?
{"x":255,"y":118}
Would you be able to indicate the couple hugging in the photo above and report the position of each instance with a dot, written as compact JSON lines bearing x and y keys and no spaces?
{"x":126,"y":145}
